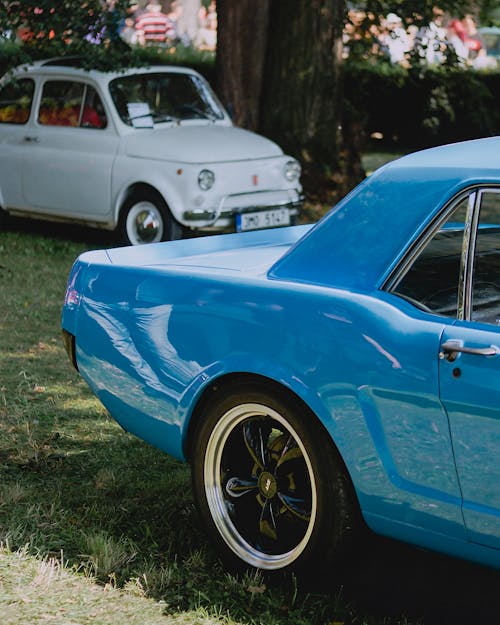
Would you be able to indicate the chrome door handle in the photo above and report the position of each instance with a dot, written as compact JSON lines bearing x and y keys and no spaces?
{"x":28,"y":139}
{"x":451,"y":349}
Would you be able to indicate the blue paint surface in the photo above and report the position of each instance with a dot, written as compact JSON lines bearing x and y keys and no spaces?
{"x":157,"y":325}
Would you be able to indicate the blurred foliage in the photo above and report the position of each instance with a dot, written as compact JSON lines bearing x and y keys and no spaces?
{"x":420,"y":11}
{"x":366,"y":17}
{"x":420,"y":107}
{"x":13,"y":54}
{"x":51,"y":28}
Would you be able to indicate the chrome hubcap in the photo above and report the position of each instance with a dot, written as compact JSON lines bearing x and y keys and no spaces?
{"x":144,"y":224}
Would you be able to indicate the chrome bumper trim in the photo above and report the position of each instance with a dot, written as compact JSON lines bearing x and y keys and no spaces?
{"x":212,"y":215}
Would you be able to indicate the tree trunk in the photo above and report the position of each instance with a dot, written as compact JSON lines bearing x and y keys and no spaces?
{"x":301,"y":93}
{"x":279,"y":70}
{"x":241,"y":45}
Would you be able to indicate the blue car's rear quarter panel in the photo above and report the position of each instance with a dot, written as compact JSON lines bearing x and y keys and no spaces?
{"x":154,"y":327}
{"x":149,"y":340}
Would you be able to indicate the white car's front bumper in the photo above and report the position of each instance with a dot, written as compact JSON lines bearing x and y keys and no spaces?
{"x":223,"y":216}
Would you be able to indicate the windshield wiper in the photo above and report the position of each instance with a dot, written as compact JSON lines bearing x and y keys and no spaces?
{"x":164,"y":118}
{"x":155,"y":118}
{"x":197,"y":111}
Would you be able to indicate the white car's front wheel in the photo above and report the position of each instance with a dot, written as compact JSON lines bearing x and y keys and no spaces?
{"x":145,"y":218}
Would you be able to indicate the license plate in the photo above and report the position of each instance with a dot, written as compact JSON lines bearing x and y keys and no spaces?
{"x":263,"y":219}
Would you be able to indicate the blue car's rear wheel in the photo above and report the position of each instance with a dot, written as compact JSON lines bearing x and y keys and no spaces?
{"x":271,"y":491}
{"x":3,"y":218}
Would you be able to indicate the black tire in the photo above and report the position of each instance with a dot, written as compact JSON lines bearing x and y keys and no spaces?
{"x":145,"y":218}
{"x":3,"y":218}
{"x":271,"y":490}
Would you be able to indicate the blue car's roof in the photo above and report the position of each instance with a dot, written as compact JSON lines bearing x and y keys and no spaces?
{"x":356,"y":245}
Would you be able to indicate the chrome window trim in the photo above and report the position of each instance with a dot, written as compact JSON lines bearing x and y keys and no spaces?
{"x":467,"y":258}
{"x":474,"y":195}
{"x":469,"y":287}
{"x":399,"y":272}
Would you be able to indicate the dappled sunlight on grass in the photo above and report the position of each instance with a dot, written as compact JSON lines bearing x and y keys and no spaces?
{"x":73,"y":483}
{"x":44,"y":590}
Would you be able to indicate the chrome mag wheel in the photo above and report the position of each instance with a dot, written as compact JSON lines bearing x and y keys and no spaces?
{"x":259,"y":486}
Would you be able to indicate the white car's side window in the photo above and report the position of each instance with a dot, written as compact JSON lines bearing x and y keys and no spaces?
{"x":16,"y":98}
{"x":67,"y":103}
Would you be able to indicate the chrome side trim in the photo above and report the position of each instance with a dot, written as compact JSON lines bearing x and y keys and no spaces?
{"x":464,"y":304}
{"x":294,"y":206}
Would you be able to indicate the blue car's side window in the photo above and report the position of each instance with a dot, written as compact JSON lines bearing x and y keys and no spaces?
{"x":486,"y":283}
{"x":433,"y":278}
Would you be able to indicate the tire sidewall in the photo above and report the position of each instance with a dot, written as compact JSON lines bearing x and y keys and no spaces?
{"x":3,"y":218}
{"x":333,"y":510}
{"x":171,"y":229}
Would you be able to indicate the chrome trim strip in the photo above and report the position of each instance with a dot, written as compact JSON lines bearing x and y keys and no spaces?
{"x":213,"y":215}
{"x":464,"y":302}
{"x":399,"y":272}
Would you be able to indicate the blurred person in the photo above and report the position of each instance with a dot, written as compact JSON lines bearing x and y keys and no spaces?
{"x":483,"y":61}
{"x":129,"y":32}
{"x":154,"y":26}
{"x":187,"y":22}
{"x":394,"y":39}
{"x":207,"y":31}
{"x":473,"y":39}
{"x":456,"y":38}
{"x":431,"y":40}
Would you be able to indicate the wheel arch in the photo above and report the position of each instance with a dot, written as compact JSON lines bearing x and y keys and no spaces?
{"x":227,"y":381}
{"x":137,"y":187}
{"x":169,"y":199}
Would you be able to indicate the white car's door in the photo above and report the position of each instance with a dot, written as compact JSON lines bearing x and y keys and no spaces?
{"x":16,"y":99}
{"x":67,"y":169}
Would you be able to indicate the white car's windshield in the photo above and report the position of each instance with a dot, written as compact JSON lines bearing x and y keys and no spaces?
{"x":162,"y":97}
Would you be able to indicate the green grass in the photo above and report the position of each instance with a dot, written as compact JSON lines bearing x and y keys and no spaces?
{"x":98,"y":527}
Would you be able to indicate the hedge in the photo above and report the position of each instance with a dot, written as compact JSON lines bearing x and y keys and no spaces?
{"x":422,"y":107}
{"x":408,"y":108}
{"x":11,"y":55}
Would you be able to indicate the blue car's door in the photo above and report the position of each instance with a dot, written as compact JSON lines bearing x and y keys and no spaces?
{"x":470,"y":373}
{"x":470,"y":392}
{"x":457,"y":275}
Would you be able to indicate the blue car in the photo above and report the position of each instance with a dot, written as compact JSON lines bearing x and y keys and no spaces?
{"x":319,"y":378}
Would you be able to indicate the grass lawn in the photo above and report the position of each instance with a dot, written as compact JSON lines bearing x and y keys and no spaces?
{"x":98,"y":527}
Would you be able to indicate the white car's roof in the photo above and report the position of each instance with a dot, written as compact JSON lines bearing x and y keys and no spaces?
{"x":66,"y":66}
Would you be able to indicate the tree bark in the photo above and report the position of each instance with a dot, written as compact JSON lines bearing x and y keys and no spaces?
{"x":242,"y":27}
{"x":302,"y":93}
{"x":279,"y":70}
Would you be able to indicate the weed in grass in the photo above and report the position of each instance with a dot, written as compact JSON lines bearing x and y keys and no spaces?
{"x":107,"y":555}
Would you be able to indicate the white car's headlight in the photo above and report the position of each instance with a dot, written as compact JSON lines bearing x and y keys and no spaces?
{"x":292,"y":170}
{"x":206,"y":179}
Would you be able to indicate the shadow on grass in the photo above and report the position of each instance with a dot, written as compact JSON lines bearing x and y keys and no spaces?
{"x":70,"y":480}
{"x":135,"y":493}
{"x":392,"y":578}
{"x":92,"y":237}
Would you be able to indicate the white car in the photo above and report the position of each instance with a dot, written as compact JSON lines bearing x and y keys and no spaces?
{"x":148,"y":152}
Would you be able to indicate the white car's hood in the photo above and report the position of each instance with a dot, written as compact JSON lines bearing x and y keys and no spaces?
{"x":199,"y":144}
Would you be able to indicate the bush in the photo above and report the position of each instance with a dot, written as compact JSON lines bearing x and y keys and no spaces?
{"x":12,"y":54}
{"x":422,"y":107}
